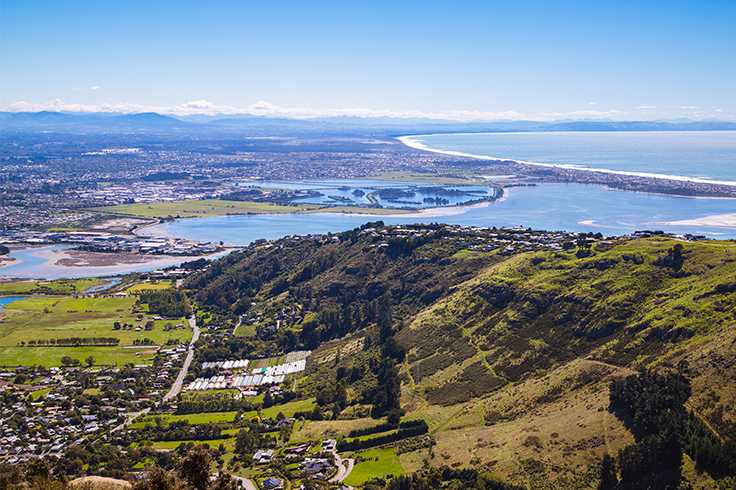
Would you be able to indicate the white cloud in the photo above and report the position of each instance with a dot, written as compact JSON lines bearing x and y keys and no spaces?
{"x":547,"y":116}
{"x":94,"y":87}
{"x":647,"y":107}
{"x":591,"y":103}
{"x":687,"y":106}
{"x":719,"y":110}
{"x":263,"y":108}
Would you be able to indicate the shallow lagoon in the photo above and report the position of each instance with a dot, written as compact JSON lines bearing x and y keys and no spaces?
{"x":344,"y":190}
{"x":32,"y":264}
{"x":573,"y":207}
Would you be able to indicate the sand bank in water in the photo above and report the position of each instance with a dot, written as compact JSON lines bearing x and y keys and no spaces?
{"x":716,"y":221}
{"x":81,"y":263}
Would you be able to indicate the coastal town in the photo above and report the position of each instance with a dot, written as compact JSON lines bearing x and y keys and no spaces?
{"x":111,"y":242}
{"x":170,"y":354}
{"x":58,"y":184}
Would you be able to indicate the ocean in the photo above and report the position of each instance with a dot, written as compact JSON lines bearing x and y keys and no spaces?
{"x":569,"y":207}
{"x":701,"y":155}
{"x":695,"y":155}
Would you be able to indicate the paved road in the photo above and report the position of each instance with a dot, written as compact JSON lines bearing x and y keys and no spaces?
{"x":176,"y":388}
{"x":240,"y":320}
{"x":344,"y":467}
{"x":246,"y":483}
{"x":130,"y":418}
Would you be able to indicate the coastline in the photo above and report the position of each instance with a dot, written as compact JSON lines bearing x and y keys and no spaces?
{"x":161,"y":229}
{"x":78,"y":263}
{"x":417,"y":145}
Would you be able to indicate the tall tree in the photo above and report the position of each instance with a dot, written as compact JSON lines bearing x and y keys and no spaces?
{"x":195,"y":467}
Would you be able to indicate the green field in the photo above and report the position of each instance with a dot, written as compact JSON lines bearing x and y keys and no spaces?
{"x":148,"y":286}
{"x":427,"y":177}
{"x":40,"y":393}
{"x":229,"y":443}
{"x":246,"y":331}
{"x":51,"y":318}
{"x":288,"y":409}
{"x":193,"y":419}
{"x":69,"y":286}
{"x":51,"y":356}
{"x":380,"y":463}
{"x":216,"y":207}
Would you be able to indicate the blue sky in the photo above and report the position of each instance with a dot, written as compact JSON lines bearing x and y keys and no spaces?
{"x":463,"y":60}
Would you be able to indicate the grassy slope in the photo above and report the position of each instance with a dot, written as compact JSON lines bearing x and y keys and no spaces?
{"x":379,"y":463}
{"x":510,"y":362}
{"x":514,"y":366}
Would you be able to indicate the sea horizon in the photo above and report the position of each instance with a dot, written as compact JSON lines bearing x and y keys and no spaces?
{"x":414,"y":141}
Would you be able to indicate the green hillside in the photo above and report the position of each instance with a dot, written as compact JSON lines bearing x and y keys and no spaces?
{"x":626,"y":305}
{"x":504,"y":341}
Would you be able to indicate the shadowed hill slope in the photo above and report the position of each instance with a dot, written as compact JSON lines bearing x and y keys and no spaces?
{"x":635,"y":304}
{"x":508,"y":355}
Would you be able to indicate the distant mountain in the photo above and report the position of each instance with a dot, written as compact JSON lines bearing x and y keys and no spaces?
{"x":146,"y":119}
{"x":58,"y":120}
{"x":331,"y":126}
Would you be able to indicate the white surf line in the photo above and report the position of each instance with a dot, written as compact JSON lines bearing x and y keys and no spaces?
{"x":412,"y":143}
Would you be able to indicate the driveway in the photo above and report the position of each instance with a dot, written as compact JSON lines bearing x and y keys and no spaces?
{"x":176,"y":388}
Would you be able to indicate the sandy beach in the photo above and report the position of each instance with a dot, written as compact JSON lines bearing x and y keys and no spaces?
{"x":411,"y":142}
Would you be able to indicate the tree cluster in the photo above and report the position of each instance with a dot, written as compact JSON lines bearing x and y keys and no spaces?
{"x":444,"y":478}
{"x":655,"y":405}
{"x":169,"y":303}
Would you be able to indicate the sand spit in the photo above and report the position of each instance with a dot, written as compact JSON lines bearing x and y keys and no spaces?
{"x":716,"y":221}
{"x":81,"y":263}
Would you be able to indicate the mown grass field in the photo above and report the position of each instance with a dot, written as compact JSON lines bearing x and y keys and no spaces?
{"x":69,"y":286}
{"x":40,"y":393}
{"x":54,"y":317}
{"x":380,"y":463}
{"x":149,"y":286}
{"x":216,"y":207}
{"x":288,"y":409}
{"x":193,"y":419}
{"x":229,"y":443}
{"x":51,"y":356}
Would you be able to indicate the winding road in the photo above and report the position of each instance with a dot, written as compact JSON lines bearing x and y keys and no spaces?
{"x":176,"y":387}
{"x":245,"y":483}
{"x":344,"y":467}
